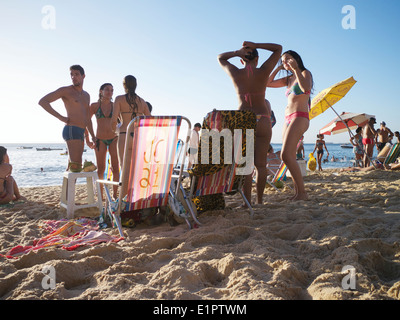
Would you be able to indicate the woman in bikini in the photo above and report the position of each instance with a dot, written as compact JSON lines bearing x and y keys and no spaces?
{"x":106,"y":137}
{"x":126,"y":108}
{"x":319,"y":146}
{"x":299,"y":84}
{"x":358,"y":147}
{"x":250,"y":83}
{"x":8,"y":187}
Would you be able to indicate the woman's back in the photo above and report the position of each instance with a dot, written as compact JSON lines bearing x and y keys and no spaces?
{"x":128,"y":111}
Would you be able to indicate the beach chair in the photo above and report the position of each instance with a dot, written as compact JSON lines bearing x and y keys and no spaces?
{"x":220,"y":169}
{"x":108,"y":171}
{"x":279,"y":176}
{"x":279,"y":172}
{"x":272,"y":163}
{"x":147,"y":169}
{"x":178,"y":153}
{"x":393,"y":154}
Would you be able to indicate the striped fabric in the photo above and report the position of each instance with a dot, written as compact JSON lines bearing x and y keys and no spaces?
{"x":108,"y":172}
{"x":153,"y":153}
{"x":220,"y":182}
{"x":223,"y":180}
{"x":393,"y":154}
{"x":281,"y":173}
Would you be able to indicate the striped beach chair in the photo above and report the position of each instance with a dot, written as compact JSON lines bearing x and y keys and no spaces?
{"x":178,"y":153}
{"x":280,"y":173}
{"x":210,"y":181}
{"x":147,"y":170}
{"x":108,"y":175}
{"x":279,"y":176}
{"x":393,"y":154}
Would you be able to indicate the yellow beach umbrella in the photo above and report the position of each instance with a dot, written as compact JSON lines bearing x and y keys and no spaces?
{"x":328,"y":97}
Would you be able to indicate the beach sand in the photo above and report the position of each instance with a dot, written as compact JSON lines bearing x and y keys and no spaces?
{"x":289,"y":250}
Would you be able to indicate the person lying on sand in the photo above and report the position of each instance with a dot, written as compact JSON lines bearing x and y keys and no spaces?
{"x":378,"y":164}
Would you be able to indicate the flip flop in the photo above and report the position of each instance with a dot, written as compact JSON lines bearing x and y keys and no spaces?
{"x":89,"y":166}
{"x":74,"y":166}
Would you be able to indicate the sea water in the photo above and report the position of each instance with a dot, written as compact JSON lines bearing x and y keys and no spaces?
{"x":45,"y":168}
{"x":40,"y":168}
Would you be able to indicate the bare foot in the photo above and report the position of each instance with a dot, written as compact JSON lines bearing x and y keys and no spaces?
{"x":300,"y":196}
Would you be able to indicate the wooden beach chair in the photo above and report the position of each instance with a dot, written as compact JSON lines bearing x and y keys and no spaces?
{"x":210,"y":180}
{"x":148,"y":164}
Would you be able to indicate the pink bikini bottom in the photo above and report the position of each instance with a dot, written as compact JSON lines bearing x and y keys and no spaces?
{"x":298,"y":114}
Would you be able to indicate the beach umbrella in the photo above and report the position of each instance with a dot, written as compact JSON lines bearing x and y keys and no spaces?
{"x":346,"y":121}
{"x":328,"y":97}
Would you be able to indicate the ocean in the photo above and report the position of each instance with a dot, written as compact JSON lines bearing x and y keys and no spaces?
{"x":28,"y":163}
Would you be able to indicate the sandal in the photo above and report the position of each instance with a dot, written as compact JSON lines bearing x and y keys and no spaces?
{"x":74,"y":166}
{"x":89,"y":166}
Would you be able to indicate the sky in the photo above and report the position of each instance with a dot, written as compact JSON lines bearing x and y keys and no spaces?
{"x":171,"y":47}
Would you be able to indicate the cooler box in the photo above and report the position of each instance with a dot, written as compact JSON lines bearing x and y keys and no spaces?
{"x":303,"y":167}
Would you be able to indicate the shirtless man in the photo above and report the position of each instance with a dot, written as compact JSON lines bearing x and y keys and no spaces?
{"x":384,"y":135}
{"x":76,"y":102}
{"x":397,"y":135}
{"x":250,"y":83}
{"x":368,"y":134}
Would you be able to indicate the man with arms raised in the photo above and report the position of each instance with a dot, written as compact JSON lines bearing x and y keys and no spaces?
{"x":76,"y":102}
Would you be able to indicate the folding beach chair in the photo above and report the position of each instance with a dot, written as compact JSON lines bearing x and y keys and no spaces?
{"x":108,"y":171}
{"x":280,"y":173}
{"x":220,"y":168}
{"x":273,"y":163}
{"x":178,"y":153}
{"x":279,"y":176}
{"x":149,"y":160}
{"x":393,"y":154}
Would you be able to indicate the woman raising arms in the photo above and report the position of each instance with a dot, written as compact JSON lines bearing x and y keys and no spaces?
{"x":250,"y":83}
{"x":299,"y":84}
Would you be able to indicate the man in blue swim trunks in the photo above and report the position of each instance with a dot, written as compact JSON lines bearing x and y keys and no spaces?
{"x":76,"y":102}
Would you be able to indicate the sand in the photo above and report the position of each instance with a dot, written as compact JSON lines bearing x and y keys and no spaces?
{"x":289,"y":250}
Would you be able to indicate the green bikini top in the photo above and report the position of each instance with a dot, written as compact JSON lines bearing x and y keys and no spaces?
{"x":99,"y":113}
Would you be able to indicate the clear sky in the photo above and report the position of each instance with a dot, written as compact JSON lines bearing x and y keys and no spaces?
{"x":171,"y":47}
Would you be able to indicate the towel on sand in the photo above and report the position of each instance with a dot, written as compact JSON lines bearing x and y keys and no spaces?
{"x":67,"y":234}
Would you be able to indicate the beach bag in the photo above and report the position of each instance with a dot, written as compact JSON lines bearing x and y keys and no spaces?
{"x":312,"y":163}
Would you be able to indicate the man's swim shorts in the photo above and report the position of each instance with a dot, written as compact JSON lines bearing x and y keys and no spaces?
{"x":73,"y":133}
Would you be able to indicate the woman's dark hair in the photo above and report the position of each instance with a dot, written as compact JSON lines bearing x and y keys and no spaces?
{"x":358,"y":130}
{"x":149,"y":106}
{"x":300,"y":63}
{"x":3,"y":152}
{"x":252,"y":55}
{"x":102,"y":88}
{"x":130,"y":85}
